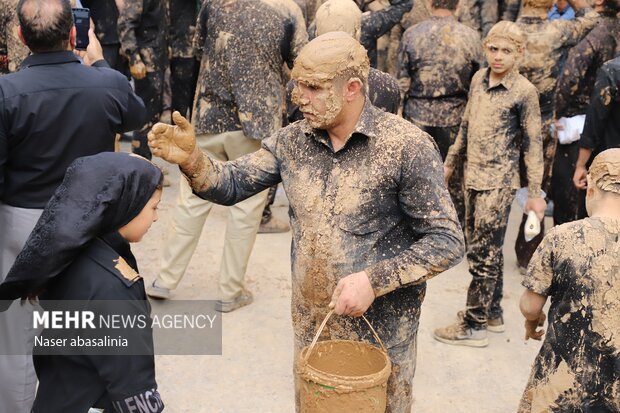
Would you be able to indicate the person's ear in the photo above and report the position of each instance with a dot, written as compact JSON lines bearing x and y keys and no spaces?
{"x":353,"y":87}
{"x":72,"y":37}
{"x":21,"y":36}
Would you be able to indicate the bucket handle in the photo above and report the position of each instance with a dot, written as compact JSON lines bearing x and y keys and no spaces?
{"x":320,"y":330}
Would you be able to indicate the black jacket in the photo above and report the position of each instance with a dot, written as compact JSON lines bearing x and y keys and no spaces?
{"x":74,"y":383}
{"x":52,"y":111}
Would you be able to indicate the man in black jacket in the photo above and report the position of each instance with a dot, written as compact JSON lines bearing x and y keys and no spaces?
{"x":52,"y":111}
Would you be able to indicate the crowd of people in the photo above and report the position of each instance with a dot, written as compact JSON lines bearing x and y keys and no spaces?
{"x":401,"y":132}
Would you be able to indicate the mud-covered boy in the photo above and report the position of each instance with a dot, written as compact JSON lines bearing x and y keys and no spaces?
{"x":501,"y":121}
{"x":578,"y":266}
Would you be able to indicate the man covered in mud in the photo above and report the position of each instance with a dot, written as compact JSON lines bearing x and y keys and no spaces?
{"x":546,"y":43}
{"x":16,"y":51}
{"x":437,"y":59}
{"x":501,"y":121}
{"x":370,"y":215}
{"x":480,"y":15}
{"x":574,"y":89}
{"x":578,"y":266}
{"x":142,"y":33}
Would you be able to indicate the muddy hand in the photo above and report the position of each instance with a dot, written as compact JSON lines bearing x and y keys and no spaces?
{"x":353,"y":295}
{"x":138,"y":70}
{"x":532,"y":325}
{"x":173,"y":143}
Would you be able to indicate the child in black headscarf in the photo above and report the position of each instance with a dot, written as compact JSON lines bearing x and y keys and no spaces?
{"x":79,"y":250}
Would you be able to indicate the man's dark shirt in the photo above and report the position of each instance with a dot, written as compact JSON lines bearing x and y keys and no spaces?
{"x":383,"y":93}
{"x":376,"y":24}
{"x":53,"y":111}
{"x":602,"y":128}
{"x":142,"y":24}
{"x":105,"y":15}
{"x":579,"y":74}
{"x":440,"y":56}
{"x":242,"y":46}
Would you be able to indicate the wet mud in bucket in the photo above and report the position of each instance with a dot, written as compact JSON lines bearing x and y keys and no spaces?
{"x":338,"y":376}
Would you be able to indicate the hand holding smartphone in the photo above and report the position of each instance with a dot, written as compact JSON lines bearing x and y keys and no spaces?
{"x":81,"y":20}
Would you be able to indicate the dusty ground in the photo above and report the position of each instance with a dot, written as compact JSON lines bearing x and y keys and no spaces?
{"x":254,"y":373}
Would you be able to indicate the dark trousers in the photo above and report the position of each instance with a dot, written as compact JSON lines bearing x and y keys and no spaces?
{"x":569,"y":202}
{"x":183,"y":77}
{"x":523,"y":249}
{"x":486,"y":219}
{"x":151,"y":90}
{"x":444,"y":137}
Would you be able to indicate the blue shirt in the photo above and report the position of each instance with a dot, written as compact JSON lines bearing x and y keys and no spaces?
{"x":554,"y":13}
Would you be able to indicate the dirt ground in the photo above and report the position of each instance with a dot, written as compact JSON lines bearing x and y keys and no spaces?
{"x":254,"y":373}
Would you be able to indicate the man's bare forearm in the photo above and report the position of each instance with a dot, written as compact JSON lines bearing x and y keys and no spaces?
{"x":197,"y":169}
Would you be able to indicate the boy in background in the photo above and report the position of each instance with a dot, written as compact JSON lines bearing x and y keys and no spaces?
{"x":501,"y":121}
{"x":578,"y":265}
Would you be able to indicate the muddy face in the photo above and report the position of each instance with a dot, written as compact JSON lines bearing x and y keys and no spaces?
{"x":320,"y":103}
{"x":501,"y":55}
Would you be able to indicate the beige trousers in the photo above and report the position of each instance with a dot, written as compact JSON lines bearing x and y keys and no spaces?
{"x":190,"y":214}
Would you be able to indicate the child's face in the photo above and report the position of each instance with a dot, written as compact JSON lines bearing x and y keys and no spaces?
{"x":137,"y":227}
{"x":502,"y":55}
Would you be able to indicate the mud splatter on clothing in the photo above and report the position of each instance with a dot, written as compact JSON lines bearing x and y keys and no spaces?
{"x":579,"y":74}
{"x":486,"y":219}
{"x":16,"y":52}
{"x":140,"y":25}
{"x":379,"y":204}
{"x":105,"y":16}
{"x":576,"y":370}
{"x":546,"y":43}
{"x":182,"y":27}
{"x":243,"y":45}
{"x":440,"y":57}
{"x":480,"y":15}
{"x":377,"y":23}
{"x":499,"y":124}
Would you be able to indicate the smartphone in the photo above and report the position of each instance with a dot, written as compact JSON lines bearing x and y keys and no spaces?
{"x":81,"y":20}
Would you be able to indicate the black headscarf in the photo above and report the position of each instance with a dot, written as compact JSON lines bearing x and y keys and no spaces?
{"x":99,"y":195}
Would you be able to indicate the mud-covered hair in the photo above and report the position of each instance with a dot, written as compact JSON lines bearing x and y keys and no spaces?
{"x":506,"y":30}
{"x":45,"y":24}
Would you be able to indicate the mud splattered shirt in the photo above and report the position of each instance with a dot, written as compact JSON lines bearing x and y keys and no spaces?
{"x":141,"y":30}
{"x":182,"y":27}
{"x":602,"y":128}
{"x":546,"y":42}
{"x":244,"y":45}
{"x":579,"y":74}
{"x":379,"y":204}
{"x":440,"y":56}
{"x":16,"y":52}
{"x":499,"y":124}
{"x":377,"y":23}
{"x":480,"y":15}
{"x":578,"y":265}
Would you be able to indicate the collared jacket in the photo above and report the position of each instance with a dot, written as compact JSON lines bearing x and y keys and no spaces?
{"x":242,"y":46}
{"x":379,"y":205}
{"x":55,"y":110}
{"x":500,"y":123}
{"x":440,"y":56}
{"x":116,"y":383}
{"x":579,"y":73}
